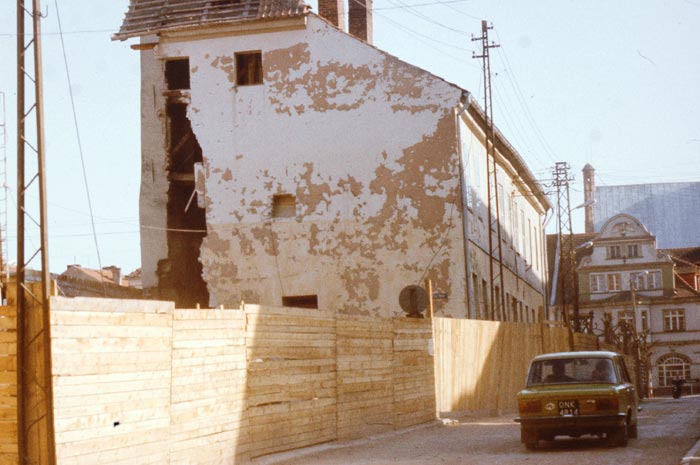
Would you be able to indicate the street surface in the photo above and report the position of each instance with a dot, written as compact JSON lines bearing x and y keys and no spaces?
{"x":668,"y":428}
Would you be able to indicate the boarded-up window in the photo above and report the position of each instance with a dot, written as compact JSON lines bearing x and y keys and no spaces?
{"x":284,"y":206}
{"x":177,"y":74}
{"x":300,"y":301}
{"x":249,"y":68}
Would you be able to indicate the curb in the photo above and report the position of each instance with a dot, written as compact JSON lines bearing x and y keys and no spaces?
{"x":279,"y":457}
{"x":692,"y":457}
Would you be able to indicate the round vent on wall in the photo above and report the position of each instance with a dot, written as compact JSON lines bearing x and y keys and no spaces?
{"x":413,"y":300}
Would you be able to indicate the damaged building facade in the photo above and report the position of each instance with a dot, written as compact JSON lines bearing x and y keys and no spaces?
{"x":288,"y":162}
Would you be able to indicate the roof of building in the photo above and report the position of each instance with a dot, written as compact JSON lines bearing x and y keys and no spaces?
{"x":89,"y":274}
{"x":667,"y":209}
{"x":684,"y":256}
{"x":146,"y":17}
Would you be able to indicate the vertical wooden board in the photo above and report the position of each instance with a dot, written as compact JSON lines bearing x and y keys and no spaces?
{"x":471,"y":355}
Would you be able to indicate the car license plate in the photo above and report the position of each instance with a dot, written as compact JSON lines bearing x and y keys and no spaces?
{"x":568,"y":407}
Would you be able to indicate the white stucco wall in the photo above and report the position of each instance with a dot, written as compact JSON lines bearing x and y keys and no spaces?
{"x":368,"y":145}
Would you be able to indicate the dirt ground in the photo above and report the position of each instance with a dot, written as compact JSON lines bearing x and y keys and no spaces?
{"x":668,"y":429}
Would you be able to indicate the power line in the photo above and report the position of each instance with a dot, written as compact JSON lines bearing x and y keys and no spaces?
{"x":80,"y":145}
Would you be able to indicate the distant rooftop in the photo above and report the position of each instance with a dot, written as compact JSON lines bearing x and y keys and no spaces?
{"x":670,"y":210}
{"x":146,"y":17}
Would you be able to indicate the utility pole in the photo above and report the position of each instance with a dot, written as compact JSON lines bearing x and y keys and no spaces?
{"x":495,"y":250}
{"x":567,"y":253}
{"x":33,"y":366}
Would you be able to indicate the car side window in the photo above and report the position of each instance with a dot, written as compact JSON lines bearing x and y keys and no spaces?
{"x":623,"y":370}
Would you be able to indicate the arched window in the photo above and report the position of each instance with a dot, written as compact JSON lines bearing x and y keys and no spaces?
{"x":672,"y":365}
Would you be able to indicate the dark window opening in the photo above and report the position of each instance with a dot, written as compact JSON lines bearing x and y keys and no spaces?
{"x":183,"y":149}
{"x":284,"y":206}
{"x":249,"y":68}
{"x":180,"y":275}
{"x":300,"y":301}
{"x":177,"y":74}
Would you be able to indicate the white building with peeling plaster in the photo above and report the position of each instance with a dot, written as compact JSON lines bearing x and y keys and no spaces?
{"x":287,"y":162}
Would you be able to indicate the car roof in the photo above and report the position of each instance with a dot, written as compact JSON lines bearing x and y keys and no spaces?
{"x":582,"y":354}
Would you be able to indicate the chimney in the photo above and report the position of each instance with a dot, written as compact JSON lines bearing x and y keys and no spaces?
{"x":360,"y":21}
{"x":116,"y":274}
{"x":333,"y":11}
{"x":588,"y":191}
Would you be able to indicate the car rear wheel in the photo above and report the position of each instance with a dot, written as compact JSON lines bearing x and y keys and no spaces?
{"x":618,"y":437}
{"x":632,"y":431}
{"x":530,"y":439}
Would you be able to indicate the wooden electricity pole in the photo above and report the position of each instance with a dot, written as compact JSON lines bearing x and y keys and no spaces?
{"x":33,"y":347}
{"x":498,"y":303}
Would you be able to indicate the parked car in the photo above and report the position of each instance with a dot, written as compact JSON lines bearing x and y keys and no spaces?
{"x":577,"y":393}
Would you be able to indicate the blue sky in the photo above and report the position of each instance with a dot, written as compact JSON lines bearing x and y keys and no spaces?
{"x":614,"y":84}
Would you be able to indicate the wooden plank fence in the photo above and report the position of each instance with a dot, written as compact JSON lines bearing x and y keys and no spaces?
{"x":141,"y":382}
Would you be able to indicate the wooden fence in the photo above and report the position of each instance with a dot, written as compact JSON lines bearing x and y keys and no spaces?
{"x":8,"y":386}
{"x":139,"y":382}
{"x":481,"y":365}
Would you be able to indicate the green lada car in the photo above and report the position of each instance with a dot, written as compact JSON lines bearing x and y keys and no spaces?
{"x":577,"y":393}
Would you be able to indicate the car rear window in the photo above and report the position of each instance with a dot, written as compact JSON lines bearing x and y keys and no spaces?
{"x":571,"y":370}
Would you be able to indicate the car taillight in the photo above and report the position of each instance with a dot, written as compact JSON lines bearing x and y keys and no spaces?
{"x":529,"y":406}
{"x":607,"y":404}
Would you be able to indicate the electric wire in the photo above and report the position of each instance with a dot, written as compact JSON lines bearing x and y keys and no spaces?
{"x":79,"y":141}
{"x":518,"y":91}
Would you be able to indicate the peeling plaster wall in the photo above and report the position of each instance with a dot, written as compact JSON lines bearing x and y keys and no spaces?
{"x":153,"y":198}
{"x":367,"y":144}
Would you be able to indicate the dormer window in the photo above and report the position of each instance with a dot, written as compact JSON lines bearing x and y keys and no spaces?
{"x":633,"y":251}
{"x":614,"y":251}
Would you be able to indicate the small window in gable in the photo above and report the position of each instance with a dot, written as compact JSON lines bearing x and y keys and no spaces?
{"x":177,"y":74}
{"x":300,"y":301}
{"x":284,"y":206}
{"x":614,"y":251}
{"x":633,"y":251}
{"x":249,"y":68}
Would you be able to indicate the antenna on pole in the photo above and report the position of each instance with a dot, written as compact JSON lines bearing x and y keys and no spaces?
{"x":34,"y":374}
{"x":497,"y":308}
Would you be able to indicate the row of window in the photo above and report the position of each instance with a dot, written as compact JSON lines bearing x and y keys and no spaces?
{"x":612,"y":282}
{"x":516,"y":229}
{"x":616,"y":251}
{"x":248,"y":69}
{"x":515,"y":310}
{"x":673,"y":319}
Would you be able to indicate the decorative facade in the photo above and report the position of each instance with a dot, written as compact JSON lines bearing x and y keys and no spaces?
{"x":626,"y":281}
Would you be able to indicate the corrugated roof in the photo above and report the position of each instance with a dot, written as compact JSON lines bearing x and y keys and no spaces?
{"x":146,"y":17}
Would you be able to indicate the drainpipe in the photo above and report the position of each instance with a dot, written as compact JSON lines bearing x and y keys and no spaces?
{"x":464,"y":106}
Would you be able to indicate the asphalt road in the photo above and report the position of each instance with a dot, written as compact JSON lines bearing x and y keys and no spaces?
{"x":668,"y":428}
